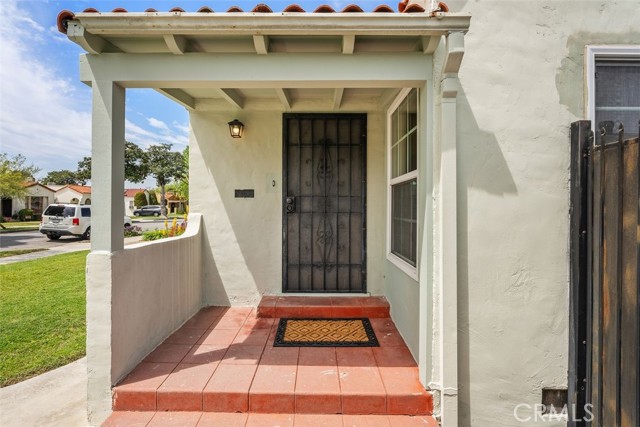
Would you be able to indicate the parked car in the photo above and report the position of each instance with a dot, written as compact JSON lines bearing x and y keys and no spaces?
{"x":68,"y":220}
{"x":154,"y":210}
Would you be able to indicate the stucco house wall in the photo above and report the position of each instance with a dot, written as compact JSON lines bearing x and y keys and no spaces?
{"x":67,"y":194}
{"x":522,"y":83}
{"x":243,"y":237}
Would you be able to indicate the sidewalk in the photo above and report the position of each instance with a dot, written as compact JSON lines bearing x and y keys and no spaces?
{"x":62,"y":249}
{"x":56,"y":398}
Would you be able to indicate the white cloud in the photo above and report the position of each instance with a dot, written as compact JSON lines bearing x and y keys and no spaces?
{"x":38,"y":114}
{"x":158,"y":124}
{"x":138,"y":135}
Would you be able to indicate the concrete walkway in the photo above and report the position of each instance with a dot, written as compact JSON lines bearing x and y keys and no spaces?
{"x":62,"y":249}
{"x":55,"y":398}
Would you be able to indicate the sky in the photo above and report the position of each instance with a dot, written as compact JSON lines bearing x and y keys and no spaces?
{"x":45,"y":111}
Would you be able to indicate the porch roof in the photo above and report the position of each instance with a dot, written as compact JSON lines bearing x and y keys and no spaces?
{"x":255,"y":43}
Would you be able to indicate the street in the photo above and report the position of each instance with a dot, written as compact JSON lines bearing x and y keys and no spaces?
{"x":36,"y":240}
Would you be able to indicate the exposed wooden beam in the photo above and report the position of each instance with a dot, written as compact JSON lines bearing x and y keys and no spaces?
{"x":176,"y":44}
{"x":179,"y":96}
{"x":348,"y":44}
{"x":455,"y":52}
{"x":337,"y":97}
{"x":388,"y":96}
{"x":232,"y":97}
{"x":430,"y":44}
{"x":285,"y":98}
{"x":261,"y":44}
{"x":89,"y":42}
{"x":244,"y":71}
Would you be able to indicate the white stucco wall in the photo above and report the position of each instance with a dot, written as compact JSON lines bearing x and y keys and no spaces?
{"x":65,"y":195}
{"x":243,"y":237}
{"x":137,"y":297}
{"x":522,"y":84}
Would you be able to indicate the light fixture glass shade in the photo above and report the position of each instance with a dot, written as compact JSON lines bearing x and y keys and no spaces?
{"x":236,"y":128}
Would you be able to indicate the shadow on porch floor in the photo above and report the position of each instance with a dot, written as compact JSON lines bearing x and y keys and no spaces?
{"x":223,"y":361}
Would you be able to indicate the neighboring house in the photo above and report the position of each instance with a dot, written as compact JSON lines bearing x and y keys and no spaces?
{"x":424,"y":157}
{"x":129,"y":195}
{"x":37,"y":198}
{"x":74,"y":194}
{"x":174,"y":203}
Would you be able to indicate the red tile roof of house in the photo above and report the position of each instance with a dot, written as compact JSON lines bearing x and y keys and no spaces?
{"x":405,"y":6}
{"x":131,"y":192}
{"x":82,"y":189}
{"x":28,"y":184}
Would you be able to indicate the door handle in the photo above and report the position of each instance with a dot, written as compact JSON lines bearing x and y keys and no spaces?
{"x":290,"y":203}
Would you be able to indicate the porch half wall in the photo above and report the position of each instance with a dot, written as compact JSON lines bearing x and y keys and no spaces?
{"x":136,"y":297}
{"x":242,"y":238}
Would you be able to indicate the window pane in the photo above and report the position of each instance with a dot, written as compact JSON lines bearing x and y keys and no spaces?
{"x":402,"y":119}
{"x":394,"y":127}
{"x":618,"y":94}
{"x":412,"y":152}
{"x":394,"y":162}
{"x":412,"y":109}
{"x":402,"y":157}
{"x":404,"y":220}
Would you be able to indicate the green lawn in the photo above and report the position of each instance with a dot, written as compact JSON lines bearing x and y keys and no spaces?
{"x":42,"y":315}
{"x":19,"y":224}
{"x":4,"y":254}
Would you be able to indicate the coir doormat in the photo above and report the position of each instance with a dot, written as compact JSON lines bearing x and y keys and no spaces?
{"x":325,"y":333}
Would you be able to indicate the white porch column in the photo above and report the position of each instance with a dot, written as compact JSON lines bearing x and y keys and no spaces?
{"x":107,"y":180}
{"x":107,"y":166}
{"x":448,"y":216}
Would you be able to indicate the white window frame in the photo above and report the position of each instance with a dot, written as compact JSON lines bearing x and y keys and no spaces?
{"x":404,"y":266}
{"x":595,"y":53}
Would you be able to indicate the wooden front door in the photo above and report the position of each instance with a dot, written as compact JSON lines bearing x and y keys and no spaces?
{"x":324,"y":224}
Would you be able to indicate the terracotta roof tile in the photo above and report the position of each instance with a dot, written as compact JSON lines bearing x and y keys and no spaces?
{"x":383,"y":8}
{"x":352,"y":8}
{"x":262,"y":8}
{"x":293,"y":8}
{"x":131,"y":192}
{"x":82,"y":189}
{"x":405,"y":6}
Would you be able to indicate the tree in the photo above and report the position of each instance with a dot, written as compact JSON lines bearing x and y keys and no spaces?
{"x":62,"y":177}
{"x":140,"y":199}
{"x":153,"y":199}
{"x":135,"y":164}
{"x":164,"y":165}
{"x":13,"y":174}
{"x":181,"y":187}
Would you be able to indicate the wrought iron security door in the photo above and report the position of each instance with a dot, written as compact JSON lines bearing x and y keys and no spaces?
{"x":324,"y":224}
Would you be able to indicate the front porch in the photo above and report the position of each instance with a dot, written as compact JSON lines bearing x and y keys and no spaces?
{"x":221,"y":368}
{"x":243,"y":242}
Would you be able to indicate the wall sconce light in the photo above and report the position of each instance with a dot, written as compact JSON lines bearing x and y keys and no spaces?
{"x":236,"y":128}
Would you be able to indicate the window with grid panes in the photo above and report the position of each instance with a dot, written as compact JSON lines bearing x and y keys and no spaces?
{"x":403,"y":181}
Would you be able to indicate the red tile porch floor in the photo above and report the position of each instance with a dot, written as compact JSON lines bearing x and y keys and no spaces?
{"x":220,"y":368}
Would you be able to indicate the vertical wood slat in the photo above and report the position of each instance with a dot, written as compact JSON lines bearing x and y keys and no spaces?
{"x":610,"y":282}
{"x":630,"y":319}
{"x":595,"y":379}
{"x":581,"y":139}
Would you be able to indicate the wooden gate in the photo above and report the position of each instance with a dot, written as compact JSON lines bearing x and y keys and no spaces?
{"x":605,"y":257}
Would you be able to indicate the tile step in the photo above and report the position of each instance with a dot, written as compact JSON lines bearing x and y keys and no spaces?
{"x":323,"y":307}
{"x":216,"y":419}
{"x":267,"y":402}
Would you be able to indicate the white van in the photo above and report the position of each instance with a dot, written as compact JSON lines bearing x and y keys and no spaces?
{"x":69,"y":220}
